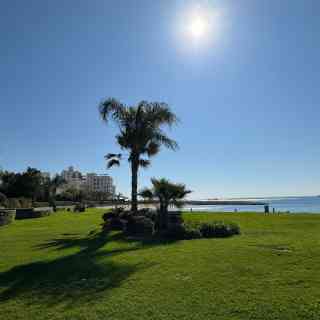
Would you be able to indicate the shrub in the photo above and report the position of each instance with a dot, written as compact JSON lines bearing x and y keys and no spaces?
{"x":175,"y":218}
{"x":6,"y":216}
{"x":139,"y":225}
{"x":114,"y":213}
{"x":115,"y":224}
{"x":116,"y":219}
{"x":194,"y":230}
{"x":182,"y":232}
{"x":80,"y":207}
{"x":218,"y":229}
{"x":150,"y":214}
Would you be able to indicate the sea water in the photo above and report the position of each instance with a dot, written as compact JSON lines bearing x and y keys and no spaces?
{"x":279,"y":204}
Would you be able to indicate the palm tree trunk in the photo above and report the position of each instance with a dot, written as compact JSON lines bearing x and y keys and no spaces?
{"x":161,"y":216}
{"x":163,"y":219}
{"x":166,"y":217}
{"x":134,"y":184}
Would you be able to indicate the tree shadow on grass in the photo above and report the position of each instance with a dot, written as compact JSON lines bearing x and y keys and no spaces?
{"x":77,"y":278}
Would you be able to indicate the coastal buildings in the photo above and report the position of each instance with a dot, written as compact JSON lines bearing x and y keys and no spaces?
{"x":100,"y":183}
{"x":73,"y":178}
{"x":91,"y":182}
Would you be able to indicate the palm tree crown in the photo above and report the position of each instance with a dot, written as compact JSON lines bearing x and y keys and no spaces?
{"x":140,"y":133}
{"x":167,"y":193}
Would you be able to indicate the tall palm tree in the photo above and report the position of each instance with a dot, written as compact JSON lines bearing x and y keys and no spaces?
{"x":140,"y":133}
{"x":167,"y":193}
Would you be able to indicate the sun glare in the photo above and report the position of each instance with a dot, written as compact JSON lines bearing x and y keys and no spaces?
{"x":199,"y":26}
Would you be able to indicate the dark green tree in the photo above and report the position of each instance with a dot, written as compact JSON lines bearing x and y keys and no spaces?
{"x":140,"y":133}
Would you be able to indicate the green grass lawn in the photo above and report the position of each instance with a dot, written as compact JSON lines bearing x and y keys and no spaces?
{"x":61,"y":267}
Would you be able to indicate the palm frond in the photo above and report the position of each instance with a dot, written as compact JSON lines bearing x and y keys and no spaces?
{"x":146,"y":193}
{"x":144,"y":163}
{"x":161,"y":114}
{"x":111,"y":108}
{"x":152,"y":149}
{"x":112,"y":163}
{"x":177,"y":204}
{"x":110,"y":156}
{"x":161,"y":138}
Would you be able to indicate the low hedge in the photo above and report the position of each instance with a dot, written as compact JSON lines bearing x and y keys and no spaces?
{"x":219,"y":229}
{"x":192,"y":230}
{"x":30,"y":213}
{"x":6,"y":217}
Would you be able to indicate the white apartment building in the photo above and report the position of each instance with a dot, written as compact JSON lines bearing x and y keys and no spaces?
{"x":91,"y":181}
{"x":73,"y":178}
{"x":100,"y":183}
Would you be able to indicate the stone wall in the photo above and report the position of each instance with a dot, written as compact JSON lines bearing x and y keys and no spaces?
{"x":31,"y":213}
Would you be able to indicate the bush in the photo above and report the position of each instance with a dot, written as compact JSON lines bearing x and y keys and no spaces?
{"x":175,"y":218}
{"x":115,"y":224}
{"x":139,"y":225}
{"x":113,"y":213}
{"x":116,"y":219}
{"x":182,"y":232}
{"x":6,"y":216}
{"x":192,"y":230}
{"x":80,"y":207}
{"x":150,"y":214}
{"x":219,"y":229}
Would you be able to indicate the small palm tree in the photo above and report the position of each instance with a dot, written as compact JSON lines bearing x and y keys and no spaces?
{"x":140,"y":134}
{"x":166,"y":193}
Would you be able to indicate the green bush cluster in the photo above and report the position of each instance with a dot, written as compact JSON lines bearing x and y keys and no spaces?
{"x":214,"y":229}
{"x":144,"y":223}
{"x":80,"y":207}
{"x":219,"y":229}
{"x":138,"y":224}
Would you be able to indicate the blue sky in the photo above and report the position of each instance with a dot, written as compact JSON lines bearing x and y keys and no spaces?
{"x":247,"y":94}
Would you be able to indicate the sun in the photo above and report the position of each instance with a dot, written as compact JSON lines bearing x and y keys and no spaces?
{"x":198,"y":27}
